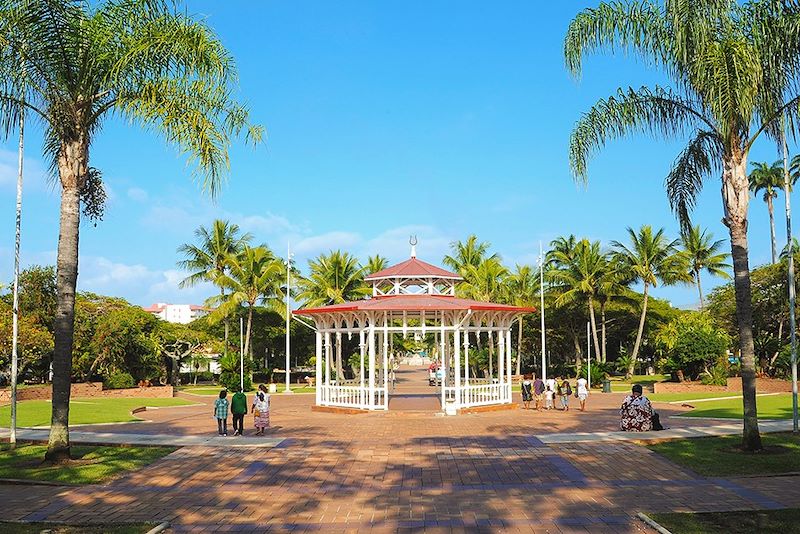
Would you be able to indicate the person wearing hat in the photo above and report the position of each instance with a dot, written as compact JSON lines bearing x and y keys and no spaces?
{"x":636,"y":412}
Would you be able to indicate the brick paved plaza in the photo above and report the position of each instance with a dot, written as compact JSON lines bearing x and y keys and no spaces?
{"x":400,"y":471}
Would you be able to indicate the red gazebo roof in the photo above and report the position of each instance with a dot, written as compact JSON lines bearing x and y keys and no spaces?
{"x":412,"y":268}
{"x":415,"y":303}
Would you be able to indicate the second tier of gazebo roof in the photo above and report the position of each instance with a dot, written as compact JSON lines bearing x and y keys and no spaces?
{"x":418,"y":299}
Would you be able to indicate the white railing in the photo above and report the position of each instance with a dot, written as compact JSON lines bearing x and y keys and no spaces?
{"x":481,"y":394}
{"x":348,"y":396}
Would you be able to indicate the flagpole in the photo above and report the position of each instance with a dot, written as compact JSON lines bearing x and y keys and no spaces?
{"x":288,"y":316}
{"x":12,"y":439}
{"x":792,"y":321}
{"x":241,"y":353}
{"x":541,"y":311}
{"x":588,"y":356}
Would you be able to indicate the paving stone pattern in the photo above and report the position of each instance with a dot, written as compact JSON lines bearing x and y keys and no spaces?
{"x":393,"y":473}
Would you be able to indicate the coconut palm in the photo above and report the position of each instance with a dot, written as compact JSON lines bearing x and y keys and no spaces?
{"x":485,"y":282}
{"x":577,"y":274}
{"x":650,"y":258}
{"x":769,"y":179}
{"x":207,"y":261}
{"x":253,"y":275}
{"x":734,"y":71}
{"x":522,"y":289}
{"x":613,"y":285}
{"x":375,"y":263}
{"x":335,"y":277}
{"x":466,"y":253}
{"x":702,"y":254}
{"x":80,"y":63}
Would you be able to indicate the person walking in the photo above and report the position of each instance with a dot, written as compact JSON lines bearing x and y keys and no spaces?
{"x":238,"y":410}
{"x":538,"y":392}
{"x":564,"y":391}
{"x":583,"y":392}
{"x":221,"y":412}
{"x":526,"y":389}
{"x":551,"y":392}
{"x":261,"y":410}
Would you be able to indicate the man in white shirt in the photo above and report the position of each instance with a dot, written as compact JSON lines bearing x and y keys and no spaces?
{"x":583,"y":393}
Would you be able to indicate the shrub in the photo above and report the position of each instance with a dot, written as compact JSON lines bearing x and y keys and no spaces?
{"x":692,"y":343}
{"x":119,"y":380}
{"x":716,"y":375}
{"x":231,"y":381}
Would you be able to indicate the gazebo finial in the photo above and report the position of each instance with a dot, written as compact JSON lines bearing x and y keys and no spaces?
{"x":412,"y":240}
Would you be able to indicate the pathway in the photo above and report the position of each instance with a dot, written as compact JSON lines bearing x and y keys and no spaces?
{"x":377,"y":472}
{"x":412,"y":392}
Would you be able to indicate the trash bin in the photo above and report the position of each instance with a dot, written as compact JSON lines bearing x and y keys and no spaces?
{"x":606,"y":386}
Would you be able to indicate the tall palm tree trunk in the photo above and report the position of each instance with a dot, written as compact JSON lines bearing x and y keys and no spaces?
{"x":594,"y":329}
{"x":640,"y":331}
{"x":519,"y":348}
{"x":578,"y":352}
{"x":73,"y":159}
{"x":491,"y":354}
{"x":225,"y":322}
{"x":770,"y":208}
{"x":736,"y":195}
{"x":603,"y":331}
{"x":699,"y":287}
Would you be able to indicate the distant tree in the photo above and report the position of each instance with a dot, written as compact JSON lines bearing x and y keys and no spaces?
{"x":334,"y":278}
{"x":522,"y":288}
{"x":37,"y":294}
{"x":769,"y":179}
{"x":35,"y":344}
{"x":254,"y":275}
{"x":485,"y":282}
{"x":692,"y":343}
{"x":207,"y":260}
{"x":468,"y":253}
{"x":650,"y":258}
{"x":122,"y":342}
{"x":702,"y":254}
{"x":375,"y":263}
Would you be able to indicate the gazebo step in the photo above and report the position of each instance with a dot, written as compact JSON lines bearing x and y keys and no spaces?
{"x":490,"y":408}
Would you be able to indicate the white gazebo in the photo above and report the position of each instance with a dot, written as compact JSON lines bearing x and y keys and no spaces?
{"x":413,"y":298}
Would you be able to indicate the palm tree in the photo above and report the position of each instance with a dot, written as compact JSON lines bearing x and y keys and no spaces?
{"x":485,"y":282}
{"x":469,"y":252}
{"x":702,"y":254}
{"x":733,"y":66}
{"x":375,"y":263}
{"x":522,"y":288}
{"x":768,"y":178}
{"x":335,"y":277}
{"x":207,"y":261}
{"x":651,"y":258}
{"x":80,"y":63}
{"x":613,"y":284}
{"x":578,"y":274}
{"x":253,"y":275}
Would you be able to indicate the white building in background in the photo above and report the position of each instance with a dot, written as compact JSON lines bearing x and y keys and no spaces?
{"x":177,"y":313}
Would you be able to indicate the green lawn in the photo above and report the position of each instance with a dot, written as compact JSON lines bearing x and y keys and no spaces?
{"x":673,"y":397}
{"x":769,"y":407}
{"x":719,"y":456}
{"x":91,"y":464}
{"x":764,"y":522}
{"x":83,"y":411}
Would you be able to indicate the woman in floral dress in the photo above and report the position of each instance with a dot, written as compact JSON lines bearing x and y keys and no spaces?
{"x":636,"y":412}
{"x":261,"y":411}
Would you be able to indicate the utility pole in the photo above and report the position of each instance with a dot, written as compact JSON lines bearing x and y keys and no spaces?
{"x":541,"y":310}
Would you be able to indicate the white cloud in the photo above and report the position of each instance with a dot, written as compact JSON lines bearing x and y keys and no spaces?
{"x":313,"y":245}
{"x":34,"y":172}
{"x":137,"y":194}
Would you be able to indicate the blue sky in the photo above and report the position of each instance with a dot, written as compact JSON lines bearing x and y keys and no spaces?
{"x":384,"y":119}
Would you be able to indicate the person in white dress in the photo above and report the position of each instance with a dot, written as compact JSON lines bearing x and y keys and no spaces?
{"x":583,"y":392}
{"x":550,"y":392}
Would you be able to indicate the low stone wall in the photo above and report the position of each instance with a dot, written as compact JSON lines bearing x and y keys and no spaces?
{"x":763,"y":385}
{"x":86,"y":389}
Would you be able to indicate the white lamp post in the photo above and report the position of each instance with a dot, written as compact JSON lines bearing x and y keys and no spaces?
{"x":288,"y":316}
{"x":241,"y":353}
{"x":588,"y":356}
{"x":792,"y":322}
{"x":15,"y":306}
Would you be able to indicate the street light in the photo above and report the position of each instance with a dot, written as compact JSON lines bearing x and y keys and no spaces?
{"x":289,"y":256}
